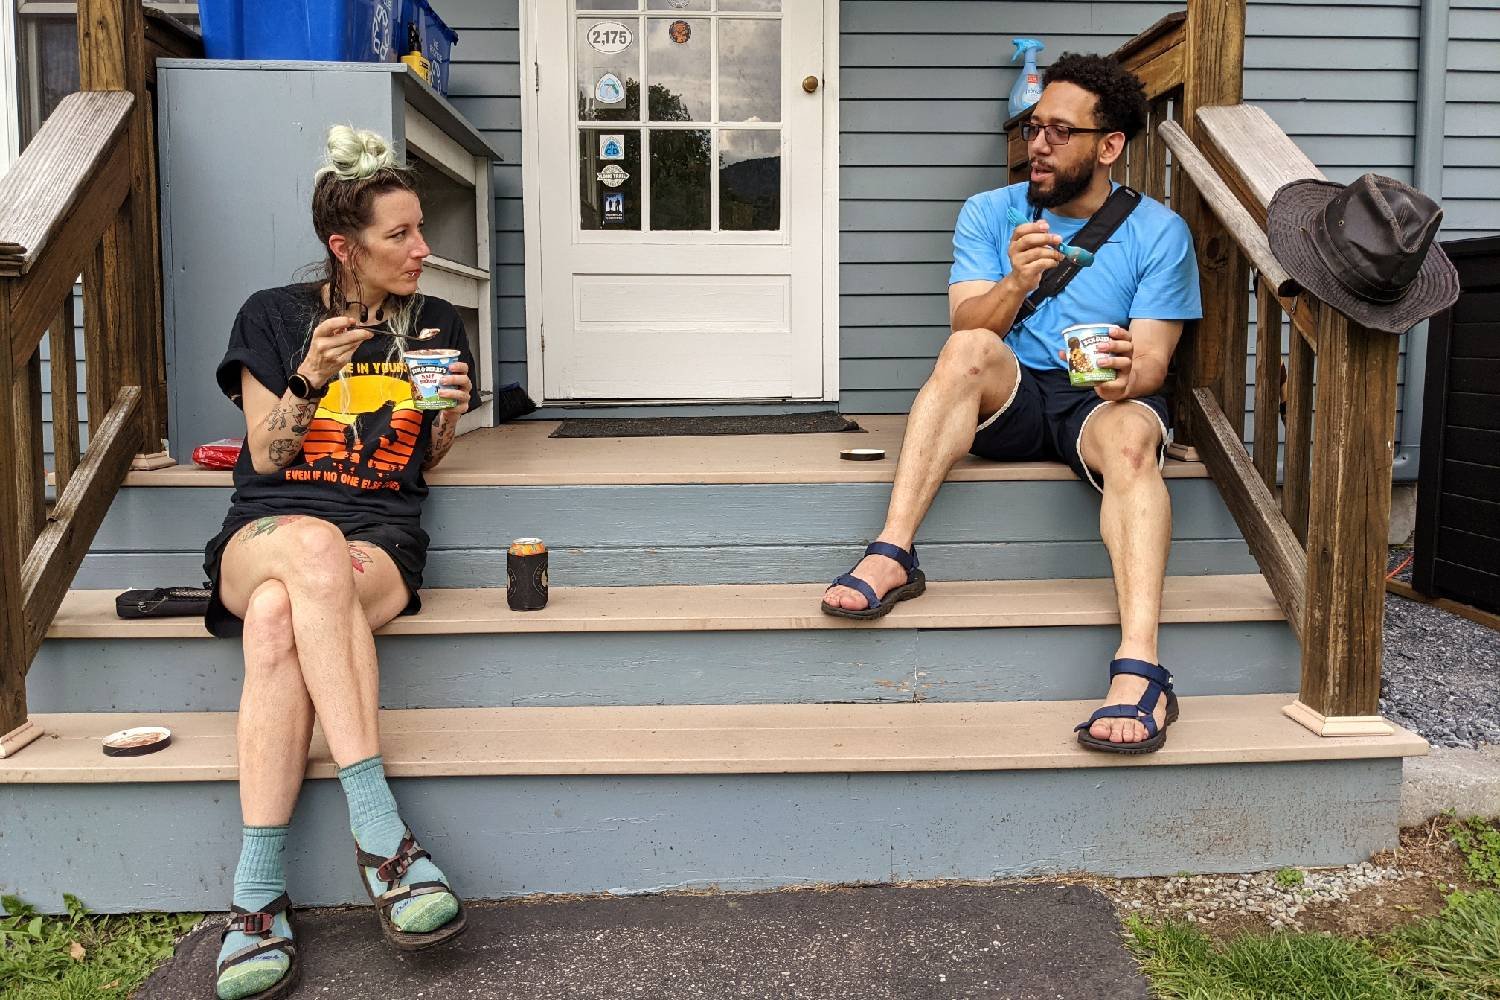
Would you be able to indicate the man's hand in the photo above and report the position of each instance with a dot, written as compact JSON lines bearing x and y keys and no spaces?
{"x":1121,"y":351}
{"x":1032,"y":252}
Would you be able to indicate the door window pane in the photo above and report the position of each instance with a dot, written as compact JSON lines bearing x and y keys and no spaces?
{"x":677,"y":4}
{"x":610,"y":5}
{"x":677,"y":69}
{"x":608,"y":69}
{"x":680,"y":182}
{"x":749,"y":4}
{"x":749,"y":179}
{"x":750,"y":70}
{"x":609,"y":179}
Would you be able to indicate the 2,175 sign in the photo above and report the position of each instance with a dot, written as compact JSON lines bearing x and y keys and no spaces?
{"x":610,"y":37}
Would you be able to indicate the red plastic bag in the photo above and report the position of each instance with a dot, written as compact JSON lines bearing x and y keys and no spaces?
{"x":220,"y":454}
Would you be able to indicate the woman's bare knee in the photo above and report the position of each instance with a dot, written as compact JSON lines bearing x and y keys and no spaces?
{"x":269,"y":641}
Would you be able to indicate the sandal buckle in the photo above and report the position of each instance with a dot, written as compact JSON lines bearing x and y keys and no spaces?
{"x":392,"y":869}
{"x":252,"y":923}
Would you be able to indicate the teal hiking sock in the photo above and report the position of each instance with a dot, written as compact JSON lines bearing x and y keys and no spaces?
{"x":378,"y":829}
{"x":258,"y":879}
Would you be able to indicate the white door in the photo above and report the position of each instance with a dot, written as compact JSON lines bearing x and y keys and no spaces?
{"x":680,"y":155}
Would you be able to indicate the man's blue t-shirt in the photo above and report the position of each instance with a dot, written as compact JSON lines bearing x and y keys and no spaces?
{"x":1146,"y":270}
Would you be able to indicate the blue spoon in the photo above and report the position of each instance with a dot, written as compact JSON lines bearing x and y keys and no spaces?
{"x":1077,"y":255}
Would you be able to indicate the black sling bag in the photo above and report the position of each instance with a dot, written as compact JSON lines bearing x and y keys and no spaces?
{"x":1100,"y":227}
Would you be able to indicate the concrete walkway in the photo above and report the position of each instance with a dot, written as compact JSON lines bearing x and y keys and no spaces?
{"x":1025,"y":942}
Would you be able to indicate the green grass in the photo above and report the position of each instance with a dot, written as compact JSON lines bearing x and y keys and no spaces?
{"x":78,"y":957}
{"x":1479,"y":841}
{"x":1452,"y":956}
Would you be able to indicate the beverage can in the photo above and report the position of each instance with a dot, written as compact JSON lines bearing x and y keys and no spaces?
{"x":526,"y":575}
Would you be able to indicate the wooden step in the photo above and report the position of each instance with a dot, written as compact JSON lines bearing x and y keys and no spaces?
{"x":90,"y":614}
{"x":522,"y":454}
{"x":718,"y":739}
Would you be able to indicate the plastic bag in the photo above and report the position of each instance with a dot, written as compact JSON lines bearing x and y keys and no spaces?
{"x":220,"y":454}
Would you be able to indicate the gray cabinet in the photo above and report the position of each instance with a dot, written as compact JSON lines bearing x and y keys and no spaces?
{"x":239,"y":143}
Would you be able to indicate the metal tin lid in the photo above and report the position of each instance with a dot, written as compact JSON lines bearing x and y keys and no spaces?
{"x":137,"y":742}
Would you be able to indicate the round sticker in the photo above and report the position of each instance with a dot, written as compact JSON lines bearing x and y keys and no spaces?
{"x":609,"y":89}
{"x":680,"y":32}
{"x":613,"y":175}
{"x":612,"y":147}
{"x":610,"y":37}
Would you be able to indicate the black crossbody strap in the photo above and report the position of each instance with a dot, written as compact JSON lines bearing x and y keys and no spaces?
{"x":1100,"y":227}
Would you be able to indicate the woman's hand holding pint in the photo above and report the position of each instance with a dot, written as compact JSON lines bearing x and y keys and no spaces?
{"x":333,"y":344}
{"x":457,"y":387}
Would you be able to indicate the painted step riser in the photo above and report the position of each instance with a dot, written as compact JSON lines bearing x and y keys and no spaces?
{"x":616,"y":535}
{"x":687,"y":668}
{"x":173,"y":847}
{"x":671,"y":565}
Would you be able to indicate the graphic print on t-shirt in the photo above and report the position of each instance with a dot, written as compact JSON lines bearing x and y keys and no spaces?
{"x":365,"y":431}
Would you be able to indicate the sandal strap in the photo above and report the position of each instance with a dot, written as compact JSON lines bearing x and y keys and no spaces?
{"x":258,"y":949}
{"x":1140,"y":668}
{"x":907,"y":560}
{"x":392,"y":869}
{"x":396,"y":895}
{"x":1135,"y":712}
{"x":855,"y":583}
{"x":256,"y":923}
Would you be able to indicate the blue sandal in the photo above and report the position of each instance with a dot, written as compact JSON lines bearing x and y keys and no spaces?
{"x":916,"y":583}
{"x":1160,"y":683}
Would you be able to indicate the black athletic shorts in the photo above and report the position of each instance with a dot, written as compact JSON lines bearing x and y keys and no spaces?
{"x":407,"y":547}
{"x":1044,"y":419}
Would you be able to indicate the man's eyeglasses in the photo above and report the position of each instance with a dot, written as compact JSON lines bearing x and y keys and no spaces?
{"x":1057,"y":135}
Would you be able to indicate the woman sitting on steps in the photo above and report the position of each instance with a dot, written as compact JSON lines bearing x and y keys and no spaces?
{"x":323,"y":544}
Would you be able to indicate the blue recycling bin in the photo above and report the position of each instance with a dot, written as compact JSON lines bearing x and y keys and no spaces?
{"x":437,"y":38}
{"x":318,"y":30}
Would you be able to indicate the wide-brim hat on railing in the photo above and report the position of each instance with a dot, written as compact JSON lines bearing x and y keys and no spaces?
{"x":1364,"y":248}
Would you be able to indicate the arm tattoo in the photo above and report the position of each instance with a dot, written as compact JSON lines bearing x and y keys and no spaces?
{"x":443,"y":432}
{"x":283,"y":450}
{"x":291,"y":417}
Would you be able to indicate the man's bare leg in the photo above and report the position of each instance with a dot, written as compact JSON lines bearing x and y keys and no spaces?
{"x":974,"y":376}
{"x":1121,"y":441}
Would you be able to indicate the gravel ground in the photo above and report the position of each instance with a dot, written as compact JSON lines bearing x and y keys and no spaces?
{"x":1203,"y":899}
{"x":1442,"y":672}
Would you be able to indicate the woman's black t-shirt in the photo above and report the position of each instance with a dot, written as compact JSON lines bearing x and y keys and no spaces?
{"x":363,"y":453}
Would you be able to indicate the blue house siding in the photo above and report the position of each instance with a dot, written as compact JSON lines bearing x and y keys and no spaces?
{"x":923,"y":87}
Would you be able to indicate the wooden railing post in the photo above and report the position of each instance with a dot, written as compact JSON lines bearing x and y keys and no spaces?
{"x":1348,"y":519}
{"x":1213,"y":64}
{"x":112,"y":56}
{"x":14,"y":656}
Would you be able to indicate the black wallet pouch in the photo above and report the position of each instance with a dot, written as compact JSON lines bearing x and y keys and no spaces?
{"x":163,"y":602}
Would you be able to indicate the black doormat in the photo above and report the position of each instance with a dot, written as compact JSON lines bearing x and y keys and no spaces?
{"x":818,"y":422}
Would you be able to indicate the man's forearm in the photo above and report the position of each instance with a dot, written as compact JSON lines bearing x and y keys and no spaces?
{"x":994,"y":310}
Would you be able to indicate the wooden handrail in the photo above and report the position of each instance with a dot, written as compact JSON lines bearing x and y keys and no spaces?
{"x":80,"y":200}
{"x":1156,"y":55}
{"x":54,"y":172}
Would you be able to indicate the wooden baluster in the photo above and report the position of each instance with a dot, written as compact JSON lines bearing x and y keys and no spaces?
{"x":30,"y":457}
{"x":1299,"y":426}
{"x":1352,"y":453}
{"x":14,"y":656}
{"x":96,"y":342}
{"x":1156,"y":160}
{"x":1267,"y":381}
{"x":64,"y":396}
{"x":1136,"y":152}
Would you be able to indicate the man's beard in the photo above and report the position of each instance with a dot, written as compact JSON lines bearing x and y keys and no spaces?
{"x":1065,"y":187}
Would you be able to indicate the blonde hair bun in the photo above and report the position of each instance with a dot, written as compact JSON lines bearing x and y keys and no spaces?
{"x":355,"y":154}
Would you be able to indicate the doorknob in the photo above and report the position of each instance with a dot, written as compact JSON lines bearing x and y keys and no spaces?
{"x":809,"y":83}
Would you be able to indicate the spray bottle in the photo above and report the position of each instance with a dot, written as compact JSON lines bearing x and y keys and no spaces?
{"x":1028,"y":88}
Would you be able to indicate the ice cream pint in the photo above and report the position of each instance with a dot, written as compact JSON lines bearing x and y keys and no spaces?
{"x":1085,"y":344}
{"x":426,"y":367}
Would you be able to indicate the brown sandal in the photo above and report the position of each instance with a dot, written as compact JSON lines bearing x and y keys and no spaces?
{"x":259,"y":924}
{"x":390,"y":871}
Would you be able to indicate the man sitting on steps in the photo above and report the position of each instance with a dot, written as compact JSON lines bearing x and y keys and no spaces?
{"x":1000,"y":387}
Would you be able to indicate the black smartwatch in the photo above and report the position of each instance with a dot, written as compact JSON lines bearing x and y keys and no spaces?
{"x":300,"y":387}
